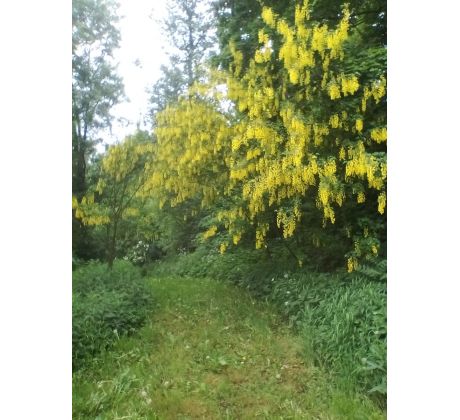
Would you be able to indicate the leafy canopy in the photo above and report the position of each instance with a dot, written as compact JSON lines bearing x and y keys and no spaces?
{"x":303,"y":128}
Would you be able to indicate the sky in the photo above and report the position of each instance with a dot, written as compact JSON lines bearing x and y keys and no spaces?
{"x":142,"y":41}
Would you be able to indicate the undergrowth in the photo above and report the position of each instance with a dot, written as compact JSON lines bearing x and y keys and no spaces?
{"x":106,"y":304}
{"x":212,"y":351}
{"x":340,"y":316}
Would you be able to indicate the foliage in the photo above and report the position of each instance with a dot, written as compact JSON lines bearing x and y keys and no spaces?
{"x":238,"y":23}
{"x":306,"y":135}
{"x":105,"y":306}
{"x":188,"y":27}
{"x":116,"y":196}
{"x":96,"y":88}
{"x":344,"y":324}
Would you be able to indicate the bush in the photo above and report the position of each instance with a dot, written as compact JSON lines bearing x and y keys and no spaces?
{"x":343,"y":321}
{"x":105,"y":305}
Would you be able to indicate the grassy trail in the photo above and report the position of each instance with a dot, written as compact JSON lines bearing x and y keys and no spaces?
{"x":210,"y":352}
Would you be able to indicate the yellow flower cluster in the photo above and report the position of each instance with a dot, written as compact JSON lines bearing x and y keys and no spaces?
{"x":349,"y":85}
{"x":223,"y":247}
{"x":236,"y":238}
{"x":379,"y":134}
{"x":88,"y":212}
{"x":302,"y":14}
{"x":210,"y":232}
{"x":268,"y":17}
{"x":377,"y":90}
{"x":382,"y":201}
{"x":334,"y":121}
{"x":352,"y":264}
{"x":361,"y":197}
{"x":95,"y":220}
{"x":288,"y":221}
{"x":364,"y":165}
{"x":334,"y":91}
{"x":261,"y":233}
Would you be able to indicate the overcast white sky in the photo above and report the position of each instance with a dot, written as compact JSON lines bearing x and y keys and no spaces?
{"x":143,"y":40}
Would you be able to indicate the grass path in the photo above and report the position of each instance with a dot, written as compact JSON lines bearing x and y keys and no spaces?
{"x":210,"y":352}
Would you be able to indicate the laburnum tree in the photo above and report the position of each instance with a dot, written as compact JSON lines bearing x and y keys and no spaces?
{"x":307,"y":137}
{"x":118,"y":195}
{"x":305,"y":133}
{"x":189,"y":169}
{"x":190,"y":35}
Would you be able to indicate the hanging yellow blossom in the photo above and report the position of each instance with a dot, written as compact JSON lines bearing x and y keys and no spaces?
{"x":352,"y":264}
{"x":349,"y":85}
{"x":374,"y":250}
{"x":223,"y":247}
{"x":210,"y":232}
{"x":382,"y":200}
{"x":334,"y":121}
{"x":334,"y":91}
{"x":379,"y":134}
{"x":268,"y":17}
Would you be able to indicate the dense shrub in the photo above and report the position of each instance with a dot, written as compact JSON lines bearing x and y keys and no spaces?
{"x":107,"y":304}
{"x":343,"y":321}
{"x":236,"y":265}
{"x":341,"y":316}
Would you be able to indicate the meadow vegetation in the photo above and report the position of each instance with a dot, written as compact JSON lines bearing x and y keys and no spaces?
{"x":210,"y":351}
{"x":106,"y":305}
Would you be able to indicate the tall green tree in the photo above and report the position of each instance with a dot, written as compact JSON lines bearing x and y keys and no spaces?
{"x":189,"y":30}
{"x":96,"y":88}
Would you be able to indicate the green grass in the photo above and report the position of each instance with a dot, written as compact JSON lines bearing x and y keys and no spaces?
{"x":341,"y":316}
{"x":209,"y":352}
